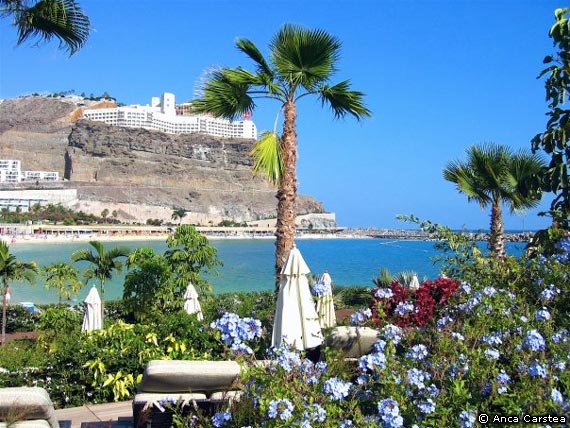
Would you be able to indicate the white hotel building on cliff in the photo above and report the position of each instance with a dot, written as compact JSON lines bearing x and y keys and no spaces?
{"x":164,"y":115}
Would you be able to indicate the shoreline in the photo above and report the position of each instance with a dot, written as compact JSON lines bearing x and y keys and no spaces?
{"x":126,"y":234}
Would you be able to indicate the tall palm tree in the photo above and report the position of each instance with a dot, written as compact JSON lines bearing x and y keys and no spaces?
{"x":10,"y":270}
{"x":46,"y":19}
{"x":104,"y":263}
{"x":302,"y":64}
{"x":494,"y":175}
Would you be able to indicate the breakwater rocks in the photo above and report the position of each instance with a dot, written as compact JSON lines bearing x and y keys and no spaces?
{"x":424,"y":236}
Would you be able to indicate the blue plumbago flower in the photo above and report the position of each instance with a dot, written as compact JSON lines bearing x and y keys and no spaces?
{"x":443,"y":321}
{"x":542,"y":315}
{"x":426,"y":406}
{"x":503,"y":378}
{"x":220,"y":418}
{"x":167,"y":401}
{"x":549,"y":293}
{"x":392,"y":332}
{"x":489,"y":291}
{"x":287,"y":359}
{"x":465,"y":287}
{"x":492,"y":353}
{"x":236,"y":330}
{"x":533,"y":341}
{"x":537,"y":370}
{"x":560,"y":365}
{"x":404,"y":308}
{"x":467,"y":418}
{"x":337,"y":388}
{"x":346,"y":423}
{"x":316,"y":413}
{"x":360,"y":316}
{"x":321,"y":367}
{"x":240,"y":348}
{"x":523,"y":319}
{"x":433,"y":391}
{"x":556,"y":396}
{"x":486,"y":390}
{"x":281,"y":408}
{"x":560,"y":336}
{"x":390,"y":413}
{"x":493,"y":339}
{"x":380,"y":346}
{"x":320,"y":288}
{"x":384,"y":293}
{"x":563,"y":247}
{"x":417,"y":352}
{"x":457,"y":336}
{"x":417,"y":377}
{"x":370,"y":362}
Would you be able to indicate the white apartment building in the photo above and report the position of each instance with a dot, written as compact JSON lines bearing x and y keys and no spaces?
{"x":164,"y":115}
{"x":10,"y":172}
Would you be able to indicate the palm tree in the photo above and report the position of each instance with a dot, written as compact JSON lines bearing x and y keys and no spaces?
{"x":104,"y":264}
{"x":46,"y":19}
{"x":302,"y":63}
{"x":179,"y":214}
{"x":63,"y":278}
{"x":493,"y":175}
{"x":11,"y":269}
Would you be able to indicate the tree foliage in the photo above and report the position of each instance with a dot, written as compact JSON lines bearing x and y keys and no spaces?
{"x":493,"y":175}
{"x":555,"y":141}
{"x":47,"y":19}
{"x":302,"y":63}
{"x":11,"y":269}
{"x":63,"y":278}
{"x":103,"y":264}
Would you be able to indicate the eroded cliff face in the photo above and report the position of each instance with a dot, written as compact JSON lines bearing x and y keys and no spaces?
{"x":209,"y":176}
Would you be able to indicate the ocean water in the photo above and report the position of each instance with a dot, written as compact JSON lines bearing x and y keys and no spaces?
{"x":249,"y":263}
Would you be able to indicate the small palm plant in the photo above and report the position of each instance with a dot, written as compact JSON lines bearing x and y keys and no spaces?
{"x":11,"y":269}
{"x":103,"y":264}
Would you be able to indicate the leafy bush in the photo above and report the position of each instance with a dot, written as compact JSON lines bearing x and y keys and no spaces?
{"x":404,"y":306}
{"x":20,"y":319}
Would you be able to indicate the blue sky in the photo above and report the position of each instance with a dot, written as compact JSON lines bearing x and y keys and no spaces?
{"x":439,"y":76}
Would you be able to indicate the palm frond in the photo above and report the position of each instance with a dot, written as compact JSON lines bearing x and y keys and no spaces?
{"x":267,"y":159}
{"x":224,"y":94}
{"x":249,"y":48}
{"x":304,"y":57}
{"x":62,"y":19}
{"x":343,"y":101}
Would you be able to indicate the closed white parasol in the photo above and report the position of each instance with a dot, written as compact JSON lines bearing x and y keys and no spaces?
{"x":191,"y":303}
{"x":325,"y":304}
{"x":296,"y":321}
{"x":92,"y":319}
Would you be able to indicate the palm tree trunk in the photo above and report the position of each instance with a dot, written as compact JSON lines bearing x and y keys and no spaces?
{"x":102,"y":302}
{"x":287,"y":191}
{"x":497,"y":238}
{"x":4,"y":305}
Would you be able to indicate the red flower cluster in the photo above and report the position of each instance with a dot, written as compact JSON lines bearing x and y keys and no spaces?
{"x":428,"y":298}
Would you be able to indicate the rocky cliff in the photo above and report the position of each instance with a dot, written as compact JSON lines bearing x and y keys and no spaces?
{"x":138,"y":172}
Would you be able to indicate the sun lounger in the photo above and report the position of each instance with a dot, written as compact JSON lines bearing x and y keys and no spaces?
{"x":26,"y":407}
{"x":206,"y":385}
{"x":354,"y":342}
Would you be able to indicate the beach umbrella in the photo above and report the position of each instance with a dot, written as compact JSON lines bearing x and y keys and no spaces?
{"x":191,"y":303}
{"x":325,"y":304}
{"x":414,"y":284}
{"x":296,"y":319}
{"x":92,"y":319}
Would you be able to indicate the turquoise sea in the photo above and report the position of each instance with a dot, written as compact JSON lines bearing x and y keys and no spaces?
{"x":248,"y":263}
